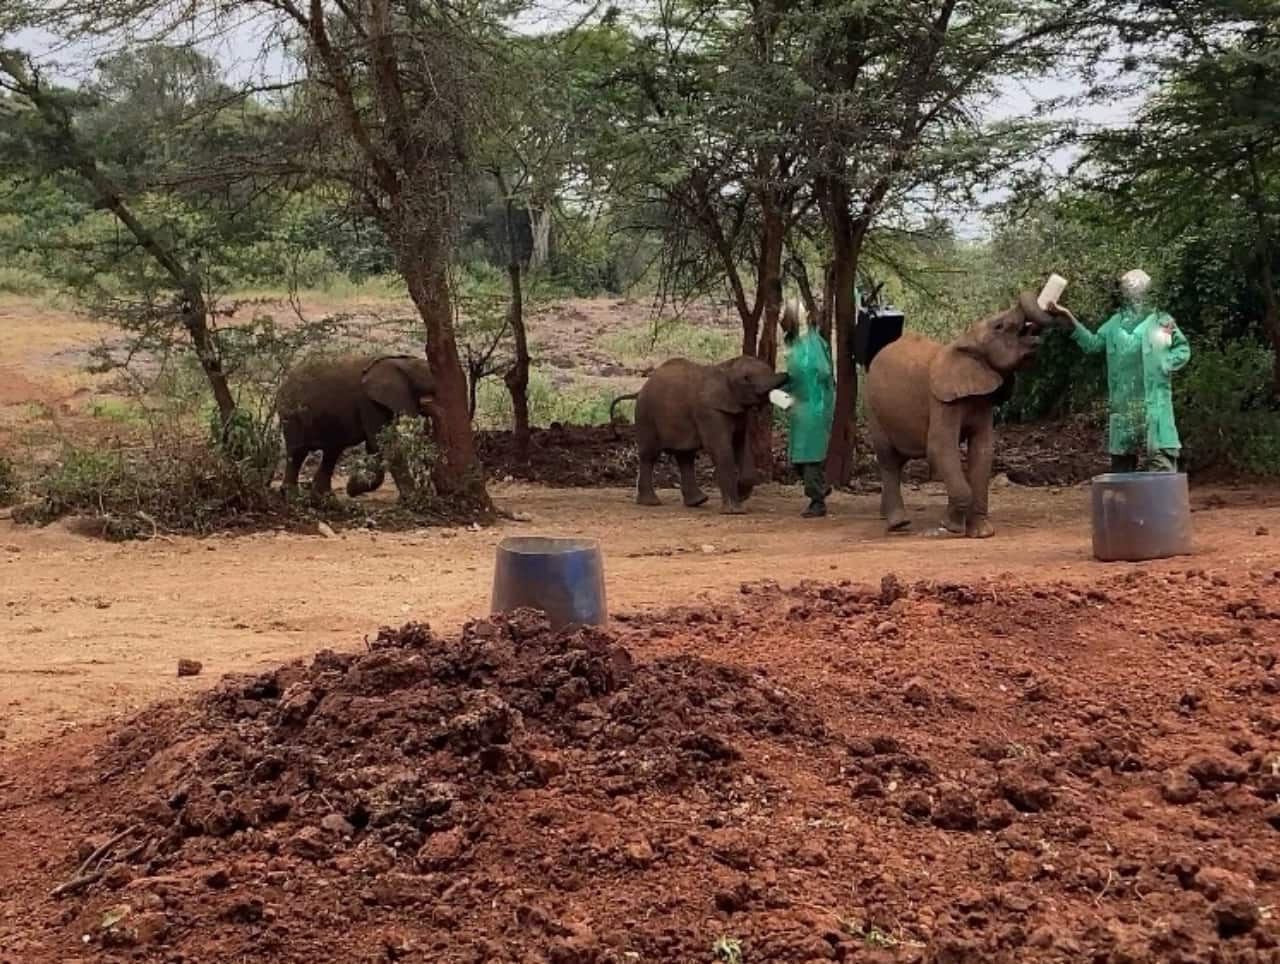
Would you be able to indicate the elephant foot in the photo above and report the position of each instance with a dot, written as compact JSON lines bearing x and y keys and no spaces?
{"x":897,"y":521}
{"x":979,"y":528}
{"x":695,"y":499}
{"x":648,"y":498}
{"x":732,"y":508}
{"x":744,"y":492}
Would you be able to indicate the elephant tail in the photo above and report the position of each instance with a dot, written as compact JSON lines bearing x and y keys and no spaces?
{"x":613,"y":416}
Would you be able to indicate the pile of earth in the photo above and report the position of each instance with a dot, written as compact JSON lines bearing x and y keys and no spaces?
{"x":1061,"y":453}
{"x":945,"y":772}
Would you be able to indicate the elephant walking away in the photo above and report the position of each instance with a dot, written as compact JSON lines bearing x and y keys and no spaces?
{"x":333,"y":403}
{"x":685,"y":407}
{"x":925,"y":398}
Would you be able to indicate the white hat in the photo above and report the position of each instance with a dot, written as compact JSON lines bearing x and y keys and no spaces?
{"x":1135,"y":283}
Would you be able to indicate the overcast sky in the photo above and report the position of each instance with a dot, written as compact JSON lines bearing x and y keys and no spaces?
{"x":245,"y":53}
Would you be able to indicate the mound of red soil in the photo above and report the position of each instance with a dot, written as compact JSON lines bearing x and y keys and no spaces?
{"x":996,"y":771}
{"x":575,"y":456}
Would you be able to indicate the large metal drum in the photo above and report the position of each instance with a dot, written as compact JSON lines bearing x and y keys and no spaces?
{"x":562,"y":577}
{"x":1141,"y":515}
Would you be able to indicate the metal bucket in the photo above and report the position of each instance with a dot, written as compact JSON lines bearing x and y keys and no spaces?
{"x":1141,"y":515}
{"x":562,"y":577}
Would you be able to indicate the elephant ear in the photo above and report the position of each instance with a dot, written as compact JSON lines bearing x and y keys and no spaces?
{"x":725,"y":391}
{"x":387,"y":382}
{"x":957,"y":371}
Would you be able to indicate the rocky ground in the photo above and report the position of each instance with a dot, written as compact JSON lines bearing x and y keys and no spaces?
{"x":1007,"y":769}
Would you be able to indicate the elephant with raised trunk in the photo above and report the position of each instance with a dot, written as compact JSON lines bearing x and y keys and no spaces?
{"x":925,"y":398}
{"x":334,"y":403}
{"x":685,"y":407}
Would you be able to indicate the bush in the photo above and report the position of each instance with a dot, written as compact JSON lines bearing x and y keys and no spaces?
{"x":8,"y":482}
{"x":650,"y":345}
{"x":21,"y":281}
{"x":1221,"y":409}
{"x":574,"y":404}
{"x":178,"y":485}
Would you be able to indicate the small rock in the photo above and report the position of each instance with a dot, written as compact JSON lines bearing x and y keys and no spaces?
{"x":1219,"y":883}
{"x":1179,"y":787}
{"x":868,"y":786}
{"x":442,"y":851}
{"x":1272,"y":815}
{"x":997,"y":815}
{"x":916,"y":693}
{"x":521,"y":517}
{"x":1236,"y":916}
{"x":916,"y":804}
{"x":708,"y":550}
{"x":1027,"y":792}
{"x":886,"y":629}
{"x":1212,"y":768}
{"x":308,"y":843}
{"x":1262,"y":531}
{"x":118,"y":877}
{"x":956,"y":809}
{"x":326,"y":530}
{"x":336,"y":823}
{"x":639,"y":853}
{"x":190,"y":667}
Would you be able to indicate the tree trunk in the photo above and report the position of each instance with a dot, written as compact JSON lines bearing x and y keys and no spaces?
{"x":766,"y":347}
{"x":517,"y":376}
{"x":457,"y":472}
{"x":845,"y":242}
{"x":827,"y":310}
{"x":540,"y":228}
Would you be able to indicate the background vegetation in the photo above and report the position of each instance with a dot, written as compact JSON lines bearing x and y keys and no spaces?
{"x":665,"y":153}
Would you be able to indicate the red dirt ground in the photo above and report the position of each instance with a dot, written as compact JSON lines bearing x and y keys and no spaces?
{"x":997,"y":771}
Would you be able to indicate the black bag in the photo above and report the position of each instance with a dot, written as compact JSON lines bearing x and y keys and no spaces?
{"x":876,"y":328}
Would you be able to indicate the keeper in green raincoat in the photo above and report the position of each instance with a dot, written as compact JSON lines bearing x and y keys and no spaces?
{"x":811,"y":384}
{"x":1144,"y":347}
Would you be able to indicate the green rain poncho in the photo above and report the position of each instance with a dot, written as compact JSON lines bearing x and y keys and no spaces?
{"x":1139,"y":394}
{"x":809,"y":382}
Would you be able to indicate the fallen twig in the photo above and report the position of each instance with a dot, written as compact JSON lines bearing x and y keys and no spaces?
{"x":77,"y":883}
{"x":95,"y":858}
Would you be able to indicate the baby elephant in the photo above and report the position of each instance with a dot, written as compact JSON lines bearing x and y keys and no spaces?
{"x":333,"y":403}
{"x":685,"y":407}
{"x":925,"y":398}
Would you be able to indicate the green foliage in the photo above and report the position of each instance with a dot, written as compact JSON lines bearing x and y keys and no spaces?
{"x":650,"y":345}
{"x":572,"y":404}
{"x":176,"y":485}
{"x":405,"y":442}
{"x":1220,"y":418}
{"x":8,"y":481}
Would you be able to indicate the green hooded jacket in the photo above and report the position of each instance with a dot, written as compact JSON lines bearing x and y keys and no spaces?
{"x":810,"y":383}
{"x":1139,"y":390}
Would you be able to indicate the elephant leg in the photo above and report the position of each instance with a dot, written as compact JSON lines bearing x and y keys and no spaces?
{"x":981,"y":452}
{"x":944,"y":457}
{"x":745,"y":462}
{"x":690,"y":491}
{"x":645,"y":494}
{"x":293,"y":465}
{"x":718,"y":437}
{"x":322,"y":484}
{"x":890,"y":461}
{"x":360,"y":483}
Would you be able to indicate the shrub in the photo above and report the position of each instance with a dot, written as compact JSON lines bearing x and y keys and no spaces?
{"x":1221,"y":408}
{"x":175,"y":484}
{"x":650,"y":345}
{"x":576,"y":403}
{"x":8,"y":482}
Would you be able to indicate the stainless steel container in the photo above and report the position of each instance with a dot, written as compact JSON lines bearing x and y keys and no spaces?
{"x":1141,"y":515}
{"x":562,"y":577}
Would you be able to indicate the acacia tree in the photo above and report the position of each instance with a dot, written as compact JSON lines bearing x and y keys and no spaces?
{"x":1211,"y":133}
{"x":386,"y":106}
{"x":893,"y":119}
{"x":45,"y":127}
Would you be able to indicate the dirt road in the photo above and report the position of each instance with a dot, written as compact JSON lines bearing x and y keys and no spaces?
{"x":91,"y":629}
